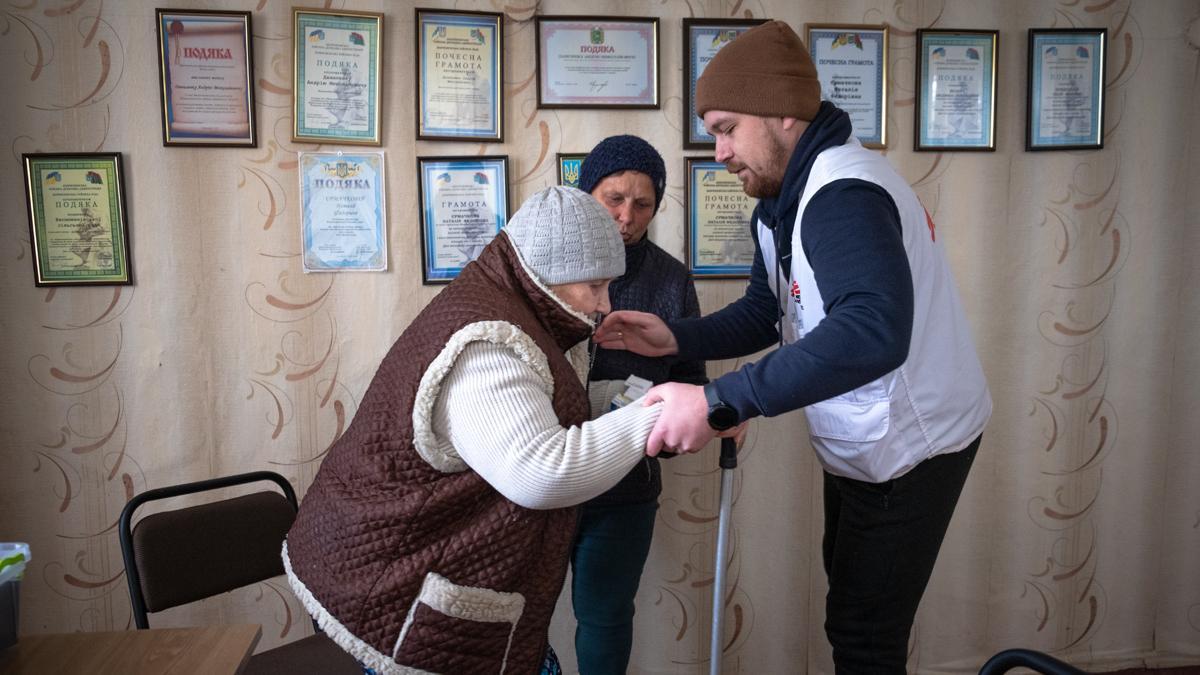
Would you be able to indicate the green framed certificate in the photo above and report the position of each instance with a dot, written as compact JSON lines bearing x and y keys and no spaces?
{"x":335,"y":63}
{"x":77,"y":225}
{"x":719,"y":242}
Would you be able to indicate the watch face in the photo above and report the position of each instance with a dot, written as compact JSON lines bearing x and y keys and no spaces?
{"x":722,"y":417}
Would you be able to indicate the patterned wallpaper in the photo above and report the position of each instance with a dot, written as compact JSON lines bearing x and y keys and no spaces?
{"x":1078,"y":532}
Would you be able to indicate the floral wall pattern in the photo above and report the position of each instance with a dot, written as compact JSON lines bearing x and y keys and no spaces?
{"x":1078,"y":532}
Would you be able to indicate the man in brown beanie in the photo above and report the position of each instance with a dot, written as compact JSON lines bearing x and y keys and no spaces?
{"x":850,"y":279}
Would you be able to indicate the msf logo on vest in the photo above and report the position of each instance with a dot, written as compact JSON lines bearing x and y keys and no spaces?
{"x":794,"y":294}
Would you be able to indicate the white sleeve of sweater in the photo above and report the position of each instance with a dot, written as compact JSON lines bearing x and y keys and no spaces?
{"x":493,"y":409}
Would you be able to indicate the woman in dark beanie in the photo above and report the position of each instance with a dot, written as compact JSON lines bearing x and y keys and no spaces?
{"x":626,"y":174}
{"x":436,"y":535}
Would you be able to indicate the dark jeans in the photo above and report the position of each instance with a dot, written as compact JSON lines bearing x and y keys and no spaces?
{"x":881,"y":540}
{"x":611,"y":546}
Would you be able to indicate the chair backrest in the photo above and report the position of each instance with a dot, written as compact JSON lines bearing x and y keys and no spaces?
{"x":187,"y":554}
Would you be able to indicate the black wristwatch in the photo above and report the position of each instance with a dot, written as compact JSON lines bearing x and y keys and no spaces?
{"x":721,"y":415}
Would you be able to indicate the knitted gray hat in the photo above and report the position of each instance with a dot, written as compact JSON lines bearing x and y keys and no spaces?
{"x":565,"y":236}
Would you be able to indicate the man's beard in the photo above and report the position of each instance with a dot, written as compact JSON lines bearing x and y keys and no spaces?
{"x":760,"y":185}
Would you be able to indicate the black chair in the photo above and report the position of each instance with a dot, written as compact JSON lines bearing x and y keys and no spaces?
{"x":1027,"y":658}
{"x":187,"y":554}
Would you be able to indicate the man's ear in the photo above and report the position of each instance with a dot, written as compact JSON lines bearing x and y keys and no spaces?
{"x":789,"y":122}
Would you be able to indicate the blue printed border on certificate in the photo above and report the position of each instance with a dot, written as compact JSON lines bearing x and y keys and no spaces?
{"x":487,"y":23}
{"x":696,"y":169}
{"x":495,"y":172}
{"x":878,"y":37}
{"x":982,"y":40}
{"x":365,"y":24}
{"x":374,"y":260}
{"x":1039,"y":42}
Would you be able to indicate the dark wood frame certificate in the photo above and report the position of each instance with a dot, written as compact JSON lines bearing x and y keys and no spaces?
{"x":77,"y":226}
{"x":463,"y":203}
{"x":1065,"y":106}
{"x":719,"y":243}
{"x":956,"y":90}
{"x":336,"y":88}
{"x":206,"y":78}
{"x":852,"y":64}
{"x":702,"y":39}
{"x":460,"y":75}
{"x":597,"y":61}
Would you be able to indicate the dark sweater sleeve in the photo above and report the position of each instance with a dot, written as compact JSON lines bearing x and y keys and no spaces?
{"x":851,"y":235}
{"x":745,"y":326}
{"x":690,"y":371}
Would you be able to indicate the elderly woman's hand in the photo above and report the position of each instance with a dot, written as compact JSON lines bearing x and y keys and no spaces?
{"x":639,"y":332}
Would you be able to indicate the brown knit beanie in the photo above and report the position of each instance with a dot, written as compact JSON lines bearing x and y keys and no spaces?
{"x":765,"y":71}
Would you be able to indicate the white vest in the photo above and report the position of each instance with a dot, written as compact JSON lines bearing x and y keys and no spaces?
{"x":937,"y":401}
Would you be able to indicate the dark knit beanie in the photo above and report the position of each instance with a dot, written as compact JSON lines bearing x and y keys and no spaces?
{"x":622,"y":153}
{"x":765,"y":71}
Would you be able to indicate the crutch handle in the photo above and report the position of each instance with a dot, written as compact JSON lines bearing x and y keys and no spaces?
{"x":728,"y":453}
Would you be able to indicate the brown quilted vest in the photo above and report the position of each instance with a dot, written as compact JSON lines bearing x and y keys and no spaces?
{"x":378,"y":517}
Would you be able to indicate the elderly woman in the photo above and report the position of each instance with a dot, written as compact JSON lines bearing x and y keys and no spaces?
{"x":436,"y":535}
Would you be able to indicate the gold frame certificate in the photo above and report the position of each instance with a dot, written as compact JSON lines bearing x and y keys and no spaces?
{"x":719,"y":216}
{"x":206,"y":78}
{"x":597,"y":62}
{"x":852,"y":64}
{"x":336,"y":64}
{"x":77,"y":225}
{"x":460,"y":76}
{"x":344,"y":217}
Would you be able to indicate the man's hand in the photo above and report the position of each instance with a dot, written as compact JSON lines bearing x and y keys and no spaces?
{"x":683,"y":425}
{"x":639,"y":332}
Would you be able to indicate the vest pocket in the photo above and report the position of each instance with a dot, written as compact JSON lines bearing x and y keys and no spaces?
{"x":849,"y":418}
{"x":454,"y":628}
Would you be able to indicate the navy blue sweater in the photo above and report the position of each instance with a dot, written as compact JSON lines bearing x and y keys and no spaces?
{"x":851,"y":235}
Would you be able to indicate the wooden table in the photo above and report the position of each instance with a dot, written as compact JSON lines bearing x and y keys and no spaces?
{"x":215,"y":650}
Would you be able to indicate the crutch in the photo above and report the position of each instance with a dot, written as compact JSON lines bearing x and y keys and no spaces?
{"x":728,"y":463}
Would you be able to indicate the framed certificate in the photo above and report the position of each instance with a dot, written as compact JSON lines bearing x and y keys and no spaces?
{"x":569,"y":167}
{"x":77,"y":225}
{"x":956,"y":90}
{"x":852,"y":64}
{"x":206,"y":78}
{"x":460,"y":76}
{"x":343,"y":215}
{"x":597,"y":62}
{"x":702,"y":39}
{"x":719,"y":243}
{"x":464,"y":203}
{"x":335,"y":96}
{"x":1065,"y":108}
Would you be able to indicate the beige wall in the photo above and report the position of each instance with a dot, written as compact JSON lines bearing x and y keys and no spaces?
{"x":1078,"y":532}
